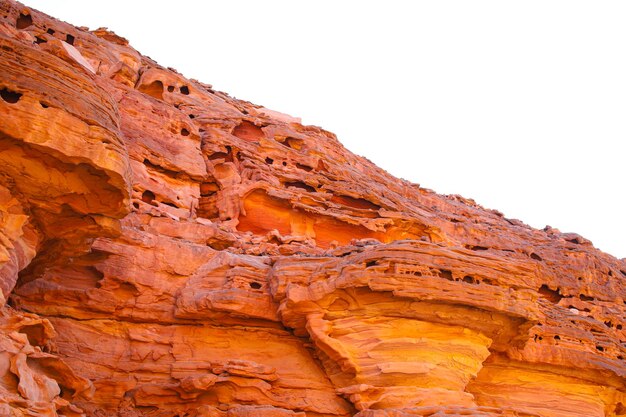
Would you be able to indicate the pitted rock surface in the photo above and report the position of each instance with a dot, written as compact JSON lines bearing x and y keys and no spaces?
{"x":167,"y":250}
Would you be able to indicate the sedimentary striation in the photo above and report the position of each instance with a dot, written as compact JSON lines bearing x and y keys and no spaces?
{"x":167,"y":250}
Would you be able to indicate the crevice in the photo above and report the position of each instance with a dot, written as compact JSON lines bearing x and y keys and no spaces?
{"x":476,"y":247}
{"x":180,"y":175}
{"x":301,"y":185}
{"x":357,"y":203}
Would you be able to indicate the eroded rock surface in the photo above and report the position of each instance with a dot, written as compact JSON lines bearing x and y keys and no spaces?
{"x":167,"y":250}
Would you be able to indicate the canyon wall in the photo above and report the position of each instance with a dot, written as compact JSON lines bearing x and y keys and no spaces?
{"x":167,"y":250}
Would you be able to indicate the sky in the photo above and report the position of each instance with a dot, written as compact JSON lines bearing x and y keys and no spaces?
{"x":518,"y":105}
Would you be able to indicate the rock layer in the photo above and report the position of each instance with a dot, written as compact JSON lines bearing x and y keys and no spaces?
{"x":167,"y":250}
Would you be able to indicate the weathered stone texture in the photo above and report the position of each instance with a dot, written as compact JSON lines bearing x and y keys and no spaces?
{"x":167,"y":250}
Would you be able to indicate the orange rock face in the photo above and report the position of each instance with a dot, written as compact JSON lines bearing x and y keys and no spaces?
{"x":167,"y":250}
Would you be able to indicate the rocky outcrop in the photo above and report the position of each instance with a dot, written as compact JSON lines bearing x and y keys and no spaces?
{"x":167,"y":250}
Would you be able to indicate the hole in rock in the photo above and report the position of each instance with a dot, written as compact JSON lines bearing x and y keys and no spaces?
{"x":618,"y":327}
{"x":170,"y":88}
{"x":469,"y":279}
{"x":557,"y":337}
{"x":167,"y":203}
{"x":125,"y":290}
{"x":339,"y":305}
{"x":24,"y":21}
{"x":269,"y":161}
{"x":248,"y":131}
{"x":600,"y":348}
{"x":69,"y":39}
{"x":184,"y":132}
{"x":549,"y":294}
{"x":304,"y":167}
{"x":371,"y":263}
{"x":444,"y":273}
{"x":44,"y":105}
{"x":136,"y":205}
{"x":620,"y":409}
{"x":191,"y":116}
{"x":228,"y":157}
{"x":608,"y":324}
{"x":154,"y":89}
{"x":39,"y":40}
{"x":255,"y":285}
{"x":357,"y":203}
{"x":50,"y":31}
{"x":583,"y":297}
{"x":208,"y":188}
{"x":321,"y":166}
{"x":184,"y":90}
{"x":10,"y":96}
{"x":293,"y":143}
{"x":148,"y":197}
{"x":35,"y":334}
{"x":536,"y":257}
{"x":284,"y":163}
{"x":621,"y":358}
{"x":477,"y":248}
{"x":301,"y":185}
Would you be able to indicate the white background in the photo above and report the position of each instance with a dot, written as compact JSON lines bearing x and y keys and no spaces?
{"x":518,"y":105}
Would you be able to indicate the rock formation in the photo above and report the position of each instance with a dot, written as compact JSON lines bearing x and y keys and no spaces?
{"x":167,"y":250}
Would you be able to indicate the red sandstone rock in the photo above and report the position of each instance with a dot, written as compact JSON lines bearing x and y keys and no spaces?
{"x":168,"y":250}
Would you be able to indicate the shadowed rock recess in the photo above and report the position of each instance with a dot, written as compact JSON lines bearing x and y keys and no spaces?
{"x":167,"y":250}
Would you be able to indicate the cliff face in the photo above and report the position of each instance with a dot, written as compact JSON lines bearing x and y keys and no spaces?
{"x":167,"y":250}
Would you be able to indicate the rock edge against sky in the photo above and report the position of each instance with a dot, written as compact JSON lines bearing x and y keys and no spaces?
{"x":167,"y":250}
